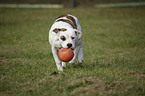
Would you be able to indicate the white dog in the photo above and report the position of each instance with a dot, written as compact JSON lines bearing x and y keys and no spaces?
{"x":66,"y":32}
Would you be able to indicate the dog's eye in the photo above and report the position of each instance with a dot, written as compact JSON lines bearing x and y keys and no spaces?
{"x":62,"y":38}
{"x":72,"y":37}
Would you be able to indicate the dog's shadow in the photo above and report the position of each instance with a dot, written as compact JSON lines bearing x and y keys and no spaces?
{"x":90,"y":65}
{"x":84,"y":66}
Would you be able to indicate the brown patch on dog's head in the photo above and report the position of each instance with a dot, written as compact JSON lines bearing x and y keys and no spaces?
{"x":71,"y":20}
{"x":56,"y":30}
{"x":63,"y":29}
{"x":67,"y":21}
{"x":62,"y":16}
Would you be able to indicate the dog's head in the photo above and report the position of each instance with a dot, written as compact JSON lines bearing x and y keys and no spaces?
{"x":68,"y":37}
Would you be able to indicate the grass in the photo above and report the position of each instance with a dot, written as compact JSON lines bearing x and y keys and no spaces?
{"x":114,"y":53}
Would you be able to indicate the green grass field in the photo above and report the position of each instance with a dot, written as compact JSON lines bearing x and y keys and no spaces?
{"x":114,"y":53}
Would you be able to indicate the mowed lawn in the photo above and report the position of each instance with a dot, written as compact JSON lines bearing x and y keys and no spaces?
{"x":114,"y":53}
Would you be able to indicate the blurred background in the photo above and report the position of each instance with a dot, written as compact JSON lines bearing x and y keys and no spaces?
{"x":73,"y":3}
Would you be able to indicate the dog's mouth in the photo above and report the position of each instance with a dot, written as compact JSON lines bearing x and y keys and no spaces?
{"x":72,"y":48}
{"x":62,"y":47}
{"x":59,"y":48}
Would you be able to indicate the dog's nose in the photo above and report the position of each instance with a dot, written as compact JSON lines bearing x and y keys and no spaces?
{"x":69,"y":45}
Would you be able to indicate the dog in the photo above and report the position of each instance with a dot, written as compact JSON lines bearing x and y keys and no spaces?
{"x":66,"y":32}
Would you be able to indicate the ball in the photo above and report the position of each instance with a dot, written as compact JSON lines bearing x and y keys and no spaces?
{"x":65,"y":55}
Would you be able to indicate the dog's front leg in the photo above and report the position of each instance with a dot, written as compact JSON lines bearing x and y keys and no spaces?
{"x":80,"y":55}
{"x":64,"y":64}
{"x":73,"y":61}
{"x":57,"y":61}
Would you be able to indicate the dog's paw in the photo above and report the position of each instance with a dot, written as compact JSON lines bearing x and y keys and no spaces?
{"x":73,"y":62}
{"x":64,"y":64}
{"x":80,"y":61}
{"x":60,"y":68}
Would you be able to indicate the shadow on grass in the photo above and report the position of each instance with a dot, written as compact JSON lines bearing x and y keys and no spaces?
{"x":93,"y":65}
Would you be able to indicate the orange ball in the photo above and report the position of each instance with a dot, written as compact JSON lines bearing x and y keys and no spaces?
{"x":65,"y":55}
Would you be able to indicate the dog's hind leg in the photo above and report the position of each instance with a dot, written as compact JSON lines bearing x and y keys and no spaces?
{"x":80,"y":55}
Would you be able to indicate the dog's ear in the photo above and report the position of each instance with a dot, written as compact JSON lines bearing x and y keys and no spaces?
{"x":78,"y":33}
{"x":56,"y":30}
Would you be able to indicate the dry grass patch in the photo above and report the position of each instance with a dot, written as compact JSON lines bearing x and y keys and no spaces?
{"x":101,"y":87}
